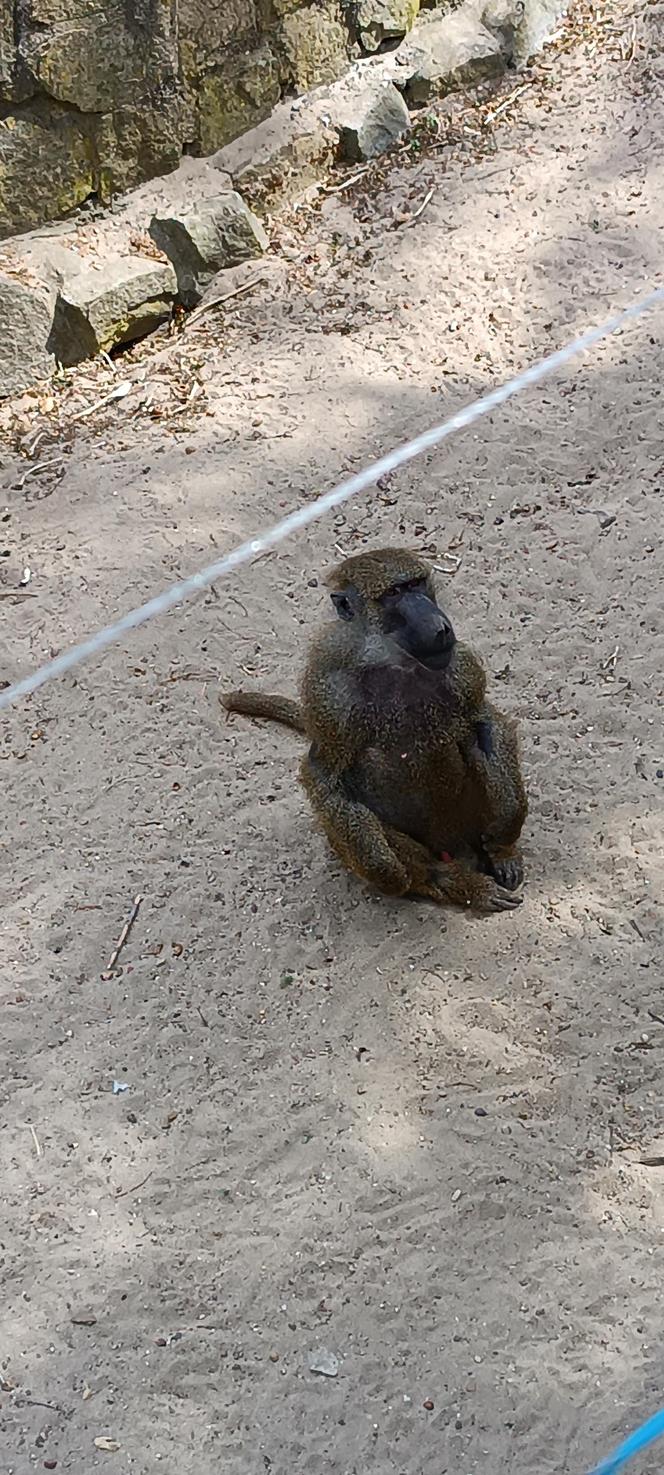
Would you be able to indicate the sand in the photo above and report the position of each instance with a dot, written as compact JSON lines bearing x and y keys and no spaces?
{"x":343,"y":1128}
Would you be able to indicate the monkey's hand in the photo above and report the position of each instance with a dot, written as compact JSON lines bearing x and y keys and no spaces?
{"x":354,"y":832}
{"x":507,"y":869}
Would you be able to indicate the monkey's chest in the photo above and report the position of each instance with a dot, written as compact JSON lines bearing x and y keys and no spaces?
{"x":412,"y":774}
{"x":419,"y":792}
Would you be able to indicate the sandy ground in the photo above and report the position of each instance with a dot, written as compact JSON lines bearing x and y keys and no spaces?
{"x":344,"y":1130}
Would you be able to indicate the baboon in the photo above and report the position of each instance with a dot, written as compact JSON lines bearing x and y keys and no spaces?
{"x":413,"y":775}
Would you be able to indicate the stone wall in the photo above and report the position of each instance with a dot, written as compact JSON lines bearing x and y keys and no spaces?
{"x":99,"y":95}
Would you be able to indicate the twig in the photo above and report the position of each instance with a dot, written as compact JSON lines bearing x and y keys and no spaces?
{"x":217,"y":301}
{"x":124,"y":934}
{"x":410,"y":219}
{"x":35,"y":470}
{"x":35,"y":1139}
{"x":39,"y":1403}
{"x":507,"y":103}
{"x":610,"y":663}
{"x":335,"y":189}
{"x":121,"y":389}
{"x":452,"y":558}
{"x":122,"y":1192}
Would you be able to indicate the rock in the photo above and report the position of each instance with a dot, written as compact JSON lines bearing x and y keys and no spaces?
{"x":378,"y":21}
{"x":442,"y":55}
{"x":83,"y":1316}
{"x":369,"y":117}
{"x":523,"y":25}
{"x":96,"y":104}
{"x":123,"y":300}
{"x":45,"y":167}
{"x":26,"y":314}
{"x":280,"y":158}
{"x":315,"y":45}
{"x":323,"y":1362}
{"x":235,"y":97}
{"x":218,"y":232}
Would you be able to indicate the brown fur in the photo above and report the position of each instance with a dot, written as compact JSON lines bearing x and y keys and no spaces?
{"x":412,"y":774}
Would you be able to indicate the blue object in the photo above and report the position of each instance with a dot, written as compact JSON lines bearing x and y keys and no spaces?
{"x":648,"y":1432}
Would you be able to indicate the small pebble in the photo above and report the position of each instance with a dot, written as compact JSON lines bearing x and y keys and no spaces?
{"x":456,"y":1195}
{"x":324,"y":1362}
{"x":274,"y":1357}
{"x":480,"y":1111}
{"x":160,"y":1342}
{"x":428,"y":1404}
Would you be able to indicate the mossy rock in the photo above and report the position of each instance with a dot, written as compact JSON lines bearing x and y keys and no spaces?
{"x":315,"y":46}
{"x":380,"y":21}
{"x":234,"y":98}
{"x":47,"y":166}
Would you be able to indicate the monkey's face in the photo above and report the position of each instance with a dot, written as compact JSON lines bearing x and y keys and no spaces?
{"x":413,"y":619}
{"x":407,"y":612}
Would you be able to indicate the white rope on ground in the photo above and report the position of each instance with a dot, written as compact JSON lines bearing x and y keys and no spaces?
{"x":351,"y":487}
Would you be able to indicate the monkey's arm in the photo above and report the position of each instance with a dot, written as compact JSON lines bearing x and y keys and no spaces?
{"x":354,"y":832}
{"x":494,"y":760}
{"x":341,"y":726}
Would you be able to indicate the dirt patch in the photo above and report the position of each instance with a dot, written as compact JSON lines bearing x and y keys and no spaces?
{"x":343,"y":1132}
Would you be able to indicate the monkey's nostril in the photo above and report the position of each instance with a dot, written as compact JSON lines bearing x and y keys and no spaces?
{"x":443,"y":637}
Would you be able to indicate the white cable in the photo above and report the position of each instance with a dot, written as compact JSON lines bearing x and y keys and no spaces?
{"x":351,"y":487}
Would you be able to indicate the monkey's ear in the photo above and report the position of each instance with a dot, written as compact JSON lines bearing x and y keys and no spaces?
{"x":343,"y":606}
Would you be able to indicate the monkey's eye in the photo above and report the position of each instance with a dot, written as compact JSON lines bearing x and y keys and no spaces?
{"x":406,"y":586}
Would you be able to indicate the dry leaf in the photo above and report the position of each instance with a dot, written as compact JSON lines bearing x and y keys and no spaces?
{"x":110,"y":1446}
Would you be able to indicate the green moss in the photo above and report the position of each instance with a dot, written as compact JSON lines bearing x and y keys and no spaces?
{"x":236,"y":98}
{"x":46,"y":168}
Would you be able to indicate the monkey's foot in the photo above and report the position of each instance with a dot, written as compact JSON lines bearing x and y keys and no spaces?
{"x":463,"y":887}
{"x":502,"y":900}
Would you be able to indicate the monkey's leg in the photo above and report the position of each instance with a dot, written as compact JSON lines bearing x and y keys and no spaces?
{"x":495,"y":761}
{"x":451,"y":881}
{"x":354,"y":832}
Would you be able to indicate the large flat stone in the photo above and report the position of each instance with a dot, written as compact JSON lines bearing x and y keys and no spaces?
{"x":278,"y":159}
{"x":442,"y":55}
{"x":216,"y":233}
{"x":98,"y":308}
{"x":365,"y":110}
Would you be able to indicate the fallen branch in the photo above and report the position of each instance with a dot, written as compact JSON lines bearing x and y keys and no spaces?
{"x":124,"y":934}
{"x":122,"y":1192}
{"x":218,"y":301}
{"x":36,"y":470}
{"x":507,"y":103}
{"x":125,"y":387}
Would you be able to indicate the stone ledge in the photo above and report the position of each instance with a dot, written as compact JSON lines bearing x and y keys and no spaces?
{"x":69,"y":291}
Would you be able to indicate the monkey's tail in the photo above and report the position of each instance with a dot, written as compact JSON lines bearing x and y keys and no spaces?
{"x":260,"y":704}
